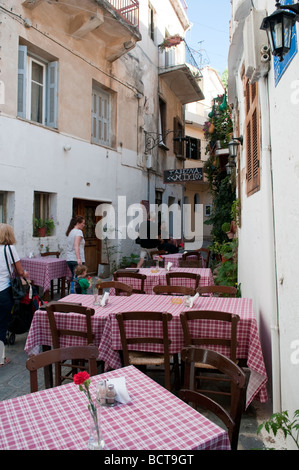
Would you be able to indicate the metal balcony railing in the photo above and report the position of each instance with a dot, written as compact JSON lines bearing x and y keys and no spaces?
{"x":179,"y":55}
{"x":128,"y":9}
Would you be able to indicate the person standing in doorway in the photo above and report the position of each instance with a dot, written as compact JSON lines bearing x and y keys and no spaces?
{"x":75,"y":254}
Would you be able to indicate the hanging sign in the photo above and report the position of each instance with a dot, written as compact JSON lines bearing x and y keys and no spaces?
{"x":183,"y":175}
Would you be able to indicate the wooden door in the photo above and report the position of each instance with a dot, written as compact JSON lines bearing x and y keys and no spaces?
{"x":93,"y":246}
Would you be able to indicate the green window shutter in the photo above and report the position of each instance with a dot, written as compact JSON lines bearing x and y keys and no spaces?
{"x":22,"y":67}
{"x":52,"y":95}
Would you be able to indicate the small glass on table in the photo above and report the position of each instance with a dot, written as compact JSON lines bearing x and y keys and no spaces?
{"x":97,"y":298}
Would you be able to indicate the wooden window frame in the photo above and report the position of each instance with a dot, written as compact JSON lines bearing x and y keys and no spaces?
{"x":49,"y":85}
{"x":179,"y":130}
{"x":103,"y":118}
{"x":252,"y":136}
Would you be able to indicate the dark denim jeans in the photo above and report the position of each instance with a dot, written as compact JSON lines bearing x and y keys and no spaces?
{"x":6,"y":304}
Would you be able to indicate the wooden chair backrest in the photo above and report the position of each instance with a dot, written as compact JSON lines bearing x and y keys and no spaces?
{"x":192,"y":263}
{"x":65,"y":307}
{"x":232,"y":419}
{"x":176,"y":275}
{"x":120,"y":287}
{"x":217,"y":291}
{"x":192,"y":254}
{"x":229,"y":341}
{"x":173,"y":290}
{"x":56,"y":356}
{"x":51,"y":253}
{"x":141,"y":277}
{"x":205,"y":256}
{"x":129,"y":340}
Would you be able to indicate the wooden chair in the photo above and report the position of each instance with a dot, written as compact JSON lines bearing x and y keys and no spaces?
{"x":59,"y":281}
{"x":191,"y":254}
{"x":140,"y":358}
{"x":65,"y":307}
{"x":57,"y":333}
{"x":232,"y":418}
{"x":120,"y":287}
{"x":217,"y":291}
{"x":179,"y":275}
{"x":58,"y":356}
{"x":191,"y":263}
{"x":202,"y":321}
{"x":205,"y":256}
{"x":173,"y":290}
{"x":117,"y":276}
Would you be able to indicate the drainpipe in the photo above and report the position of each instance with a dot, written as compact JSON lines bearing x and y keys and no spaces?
{"x":275,"y":339}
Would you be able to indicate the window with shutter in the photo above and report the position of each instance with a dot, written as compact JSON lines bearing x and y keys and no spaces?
{"x":178,"y":145}
{"x":193,"y":148}
{"x":37,"y":89}
{"x":101,"y":117}
{"x":252,"y":137}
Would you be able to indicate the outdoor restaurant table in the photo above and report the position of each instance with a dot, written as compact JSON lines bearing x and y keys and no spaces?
{"x":42,"y":270}
{"x":156,"y":277}
{"x":107,"y":336}
{"x":154,"y":419}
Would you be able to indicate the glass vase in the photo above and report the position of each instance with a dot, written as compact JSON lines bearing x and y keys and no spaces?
{"x":157,"y":264}
{"x":95,"y":441}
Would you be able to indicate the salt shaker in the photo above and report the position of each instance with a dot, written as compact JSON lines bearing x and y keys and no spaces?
{"x":110,"y":395}
{"x":101,"y":392}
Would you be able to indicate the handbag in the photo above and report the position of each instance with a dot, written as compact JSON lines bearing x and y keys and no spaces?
{"x":18,"y":289}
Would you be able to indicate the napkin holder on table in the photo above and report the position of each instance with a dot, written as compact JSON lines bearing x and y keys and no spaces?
{"x":192,"y":299}
{"x":169,"y":264}
{"x":104,"y":300}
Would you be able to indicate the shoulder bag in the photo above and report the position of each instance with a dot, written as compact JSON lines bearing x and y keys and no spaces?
{"x":18,"y":289}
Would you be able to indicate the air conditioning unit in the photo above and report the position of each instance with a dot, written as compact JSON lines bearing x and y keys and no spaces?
{"x":256,"y":46}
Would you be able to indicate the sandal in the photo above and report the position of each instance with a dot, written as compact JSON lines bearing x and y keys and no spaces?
{"x":6,"y":361}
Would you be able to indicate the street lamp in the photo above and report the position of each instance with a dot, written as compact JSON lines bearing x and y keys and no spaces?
{"x":279,"y":27}
{"x":233,"y":146}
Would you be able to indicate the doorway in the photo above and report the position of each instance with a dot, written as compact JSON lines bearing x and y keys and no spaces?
{"x":93,"y":245}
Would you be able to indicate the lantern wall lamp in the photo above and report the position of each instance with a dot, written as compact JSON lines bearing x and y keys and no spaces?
{"x":155,"y":139}
{"x":233,"y":146}
{"x":279,"y":27}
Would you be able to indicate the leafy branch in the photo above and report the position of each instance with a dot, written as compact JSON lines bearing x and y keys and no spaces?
{"x":281,"y":422}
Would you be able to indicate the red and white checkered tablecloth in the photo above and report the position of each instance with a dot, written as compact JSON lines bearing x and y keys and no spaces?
{"x":43,"y":269}
{"x":106,"y":329}
{"x":154,"y":419}
{"x":156,"y":277}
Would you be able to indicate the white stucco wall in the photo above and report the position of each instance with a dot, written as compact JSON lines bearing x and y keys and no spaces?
{"x":268,"y":255}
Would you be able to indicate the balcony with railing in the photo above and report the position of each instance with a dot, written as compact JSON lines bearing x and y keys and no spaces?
{"x":128,"y":9}
{"x":112,"y":22}
{"x":178,"y":67}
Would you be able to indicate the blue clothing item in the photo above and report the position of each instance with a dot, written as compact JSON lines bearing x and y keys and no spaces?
{"x":72,"y":265}
{"x":6,"y":304}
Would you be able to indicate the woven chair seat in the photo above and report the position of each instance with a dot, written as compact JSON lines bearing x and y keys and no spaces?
{"x":145,"y":358}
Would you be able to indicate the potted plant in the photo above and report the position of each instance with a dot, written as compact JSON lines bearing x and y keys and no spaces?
{"x":130,"y":261}
{"x":171,"y":41}
{"x":43,"y":227}
{"x":49,"y":223}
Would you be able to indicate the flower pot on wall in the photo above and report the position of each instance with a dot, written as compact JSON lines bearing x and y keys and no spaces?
{"x":41,"y":232}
